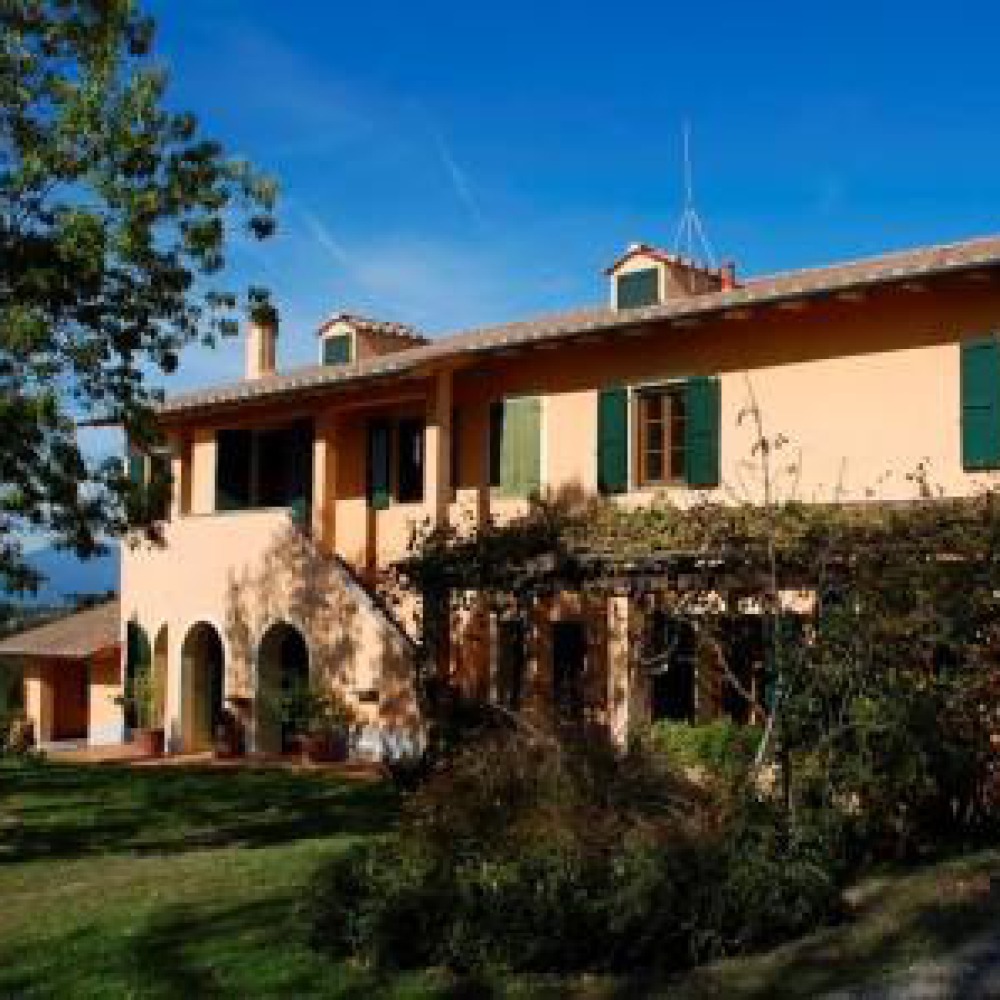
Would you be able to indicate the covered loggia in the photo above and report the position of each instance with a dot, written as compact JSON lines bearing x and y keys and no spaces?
{"x":202,"y":679}
{"x":282,"y":668}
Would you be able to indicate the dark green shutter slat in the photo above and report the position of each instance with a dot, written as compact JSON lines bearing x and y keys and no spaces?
{"x":702,"y":431}
{"x":638,"y":288}
{"x":337,"y":350}
{"x":379,"y":464}
{"x":612,"y":440}
{"x":137,"y":468}
{"x":980,"y":417}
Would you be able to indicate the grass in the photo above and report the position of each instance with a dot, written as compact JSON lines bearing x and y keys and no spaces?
{"x":185,"y":882}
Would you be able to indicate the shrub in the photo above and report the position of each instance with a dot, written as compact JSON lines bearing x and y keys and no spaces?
{"x":721,"y":746}
{"x":533,"y":855}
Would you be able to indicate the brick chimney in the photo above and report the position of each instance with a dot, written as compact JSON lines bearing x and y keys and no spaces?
{"x":261,"y":337}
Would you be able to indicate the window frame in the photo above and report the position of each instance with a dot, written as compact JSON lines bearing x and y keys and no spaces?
{"x":638,"y":480}
{"x":292,"y":428}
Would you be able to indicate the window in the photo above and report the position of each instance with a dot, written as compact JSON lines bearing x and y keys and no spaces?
{"x":515,"y":457}
{"x":496,"y":441}
{"x":410,"y":462}
{"x":337,"y":349}
{"x":638,"y":288}
{"x":662,"y":420}
{"x":511,"y":661}
{"x":456,"y":450}
{"x":269,"y":467}
{"x":674,"y":642}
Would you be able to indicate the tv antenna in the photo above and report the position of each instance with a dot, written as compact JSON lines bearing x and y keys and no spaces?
{"x":691,"y":240}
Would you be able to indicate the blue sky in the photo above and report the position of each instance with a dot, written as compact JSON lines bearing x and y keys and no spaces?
{"x":458,"y":164}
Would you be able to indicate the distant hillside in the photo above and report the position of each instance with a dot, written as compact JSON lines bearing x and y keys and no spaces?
{"x":66,"y":576}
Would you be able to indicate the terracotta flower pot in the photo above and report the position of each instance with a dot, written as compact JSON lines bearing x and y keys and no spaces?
{"x":149,"y":742}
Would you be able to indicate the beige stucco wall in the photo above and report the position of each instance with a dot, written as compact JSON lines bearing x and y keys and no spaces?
{"x":243,"y":572}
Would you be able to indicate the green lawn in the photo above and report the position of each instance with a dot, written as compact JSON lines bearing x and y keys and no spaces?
{"x":178,"y":883}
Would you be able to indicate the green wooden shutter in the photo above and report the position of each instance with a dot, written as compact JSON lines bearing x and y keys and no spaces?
{"x":379,"y":464}
{"x":701,"y":434}
{"x":137,"y":468}
{"x":612,"y":440}
{"x":980,"y":391}
{"x":638,"y":288}
{"x":520,"y":450}
{"x":337,"y":350}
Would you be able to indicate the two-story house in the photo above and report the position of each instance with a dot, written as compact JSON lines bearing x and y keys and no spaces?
{"x":290,"y":488}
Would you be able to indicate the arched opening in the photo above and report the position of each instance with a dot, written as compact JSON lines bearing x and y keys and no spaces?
{"x":202,"y":669}
{"x":138,"y":660}
{"x":159,"y":676}
{"x":282,"y":667}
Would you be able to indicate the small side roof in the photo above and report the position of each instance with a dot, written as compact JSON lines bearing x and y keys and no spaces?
{"x":382,"y":327}
{"x":77,"y":636}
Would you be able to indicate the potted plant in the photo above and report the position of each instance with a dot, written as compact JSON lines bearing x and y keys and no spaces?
{"x":142,"y":700}
{"x":322,"y":720}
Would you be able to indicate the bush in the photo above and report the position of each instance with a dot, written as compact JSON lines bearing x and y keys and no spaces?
{"x":533,"y":856}
{"x":721,"y":746}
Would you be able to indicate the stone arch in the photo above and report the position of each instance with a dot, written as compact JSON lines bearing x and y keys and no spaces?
{"x":203,"y":665}
{"x":282,"y":664}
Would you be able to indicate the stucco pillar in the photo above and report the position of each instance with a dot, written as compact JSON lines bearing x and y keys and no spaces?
{"x":324,"y":491}
{"x":437,"y":464}
{"x":173,"y":696}
{"x":620,"y":668}
{"x":38,"y":703}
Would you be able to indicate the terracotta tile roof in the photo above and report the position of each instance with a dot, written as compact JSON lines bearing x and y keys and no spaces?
{"x":76,"y":636}
{"x":891,"y":268}
{"x":656,"y":253}
{"x":384,"y":328}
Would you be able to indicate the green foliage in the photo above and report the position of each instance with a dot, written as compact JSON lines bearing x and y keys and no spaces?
{"x":310,"y":707}
{"x":721,"y":746}
{"x":143,"y":698}
{"x":535,"y":855}
{"x":114,"y":218}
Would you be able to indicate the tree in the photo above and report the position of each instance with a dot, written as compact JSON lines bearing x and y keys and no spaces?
{"x":114,"y":218}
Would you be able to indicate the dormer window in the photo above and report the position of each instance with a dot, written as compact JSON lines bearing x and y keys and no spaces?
{"x":647,"y":276}
{"x":638,"y":288}
{"x":348,"y":338}
{"x":338,"y":349}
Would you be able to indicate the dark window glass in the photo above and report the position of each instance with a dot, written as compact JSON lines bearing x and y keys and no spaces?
{"x":511,"y":662}
{"x":676,"y":641}
{"x":159,"y":484}
{"x":270,"y":467}
{"x":456,"y":450}
{"x":410,"y":458}
{"x":569,"y":659}
{"x":496,"y":441}
{"x":234,"y":454}
{"x":337,"y":350}
{"x":638,"y":288}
